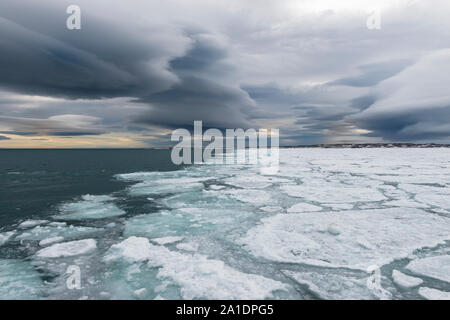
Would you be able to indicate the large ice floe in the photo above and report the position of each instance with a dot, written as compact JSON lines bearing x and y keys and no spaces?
{"x":349,"y":239}
{"x":316,"y":229}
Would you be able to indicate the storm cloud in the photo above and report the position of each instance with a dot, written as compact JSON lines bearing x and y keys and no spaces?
{"x":310,"y":68}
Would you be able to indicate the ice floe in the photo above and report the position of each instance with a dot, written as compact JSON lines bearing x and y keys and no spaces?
{"x":404,"y":280}
{"x":68,"y":249}
{"x":434,"y":294}
{"x":364,"y":237}
{"x":90,"y":207}
{"x":5,"y":236}
{"x":31,"y":223}
{"x":434,"y":267}
{"x":50,"y":240}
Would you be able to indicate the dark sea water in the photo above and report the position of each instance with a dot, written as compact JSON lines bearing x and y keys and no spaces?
{"x":32,"y":182}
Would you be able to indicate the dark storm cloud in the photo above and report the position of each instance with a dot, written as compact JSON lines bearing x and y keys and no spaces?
{"x":102,"y":59}
{"x":203,"y":93}
{"x":141,"y":66}
{"x":413,"y":105}
{"x":4,"y":138}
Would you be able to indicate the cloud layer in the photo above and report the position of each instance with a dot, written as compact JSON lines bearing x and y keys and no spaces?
{"x":310,"y":68}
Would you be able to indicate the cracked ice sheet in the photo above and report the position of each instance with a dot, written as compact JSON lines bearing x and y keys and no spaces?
{"x":332,"y":193}
{"x":197,"y":276}
{"x":434,"y":267}
{"x":359,"y":238}
{"x":254,"y":181}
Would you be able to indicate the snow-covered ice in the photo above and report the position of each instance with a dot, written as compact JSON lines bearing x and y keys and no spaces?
{"x":68,"y":249}
{"x":435,"y":267}
{"x":90,"y":207}
{"x":434,"y":294}
{"x":404,"y":280}
{"x":31,"y":223}
{"x":365,"y":237}
{"x":303,"y":207}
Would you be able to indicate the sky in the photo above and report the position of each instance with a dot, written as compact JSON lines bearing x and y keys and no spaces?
{"x":319,"y":71}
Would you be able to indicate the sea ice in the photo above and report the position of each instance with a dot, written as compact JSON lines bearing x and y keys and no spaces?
{"x":434,"y":294}
{"x":167,"y":240}
{"x":5,"y":236}
{"x":31,"y":223}
{"x":19,"y":280}
{"x":332,"y":193}
{"x":50,"y":231}
{"x":303,"y":207}
{"x":404,"y":280}
{"x":51,"y":240}
{"x":326,"y":285}
{"x":68,"y":249}
{"x":187,"y":246}
{"x":366,"y":237}
{"x":90,"y":207}
{"x":197,"y":276}
{"x":131,"y":249}
{"x":434,"y":267}
{"x":250,"y":196}
{"x":271,"y":209}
